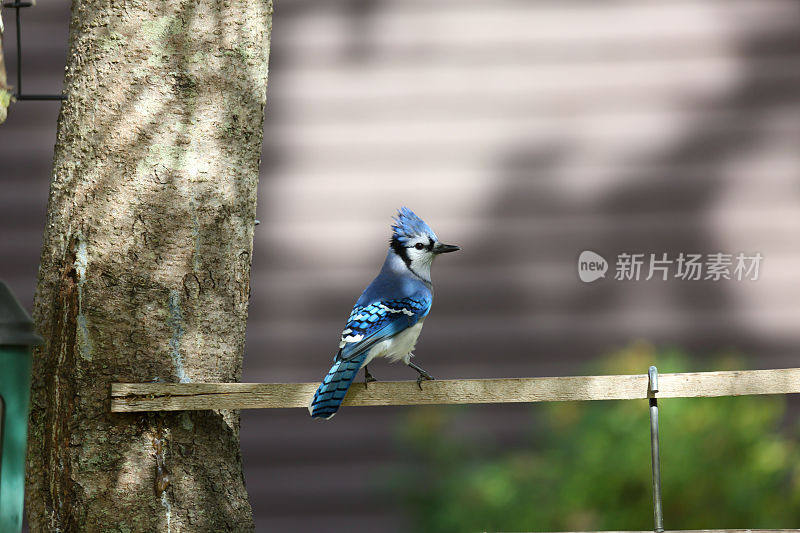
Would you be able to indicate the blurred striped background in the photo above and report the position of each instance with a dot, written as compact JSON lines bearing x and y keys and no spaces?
{"x":525,"y":132}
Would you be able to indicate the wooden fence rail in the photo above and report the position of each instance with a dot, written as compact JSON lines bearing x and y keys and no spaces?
{"x":136,"y":397}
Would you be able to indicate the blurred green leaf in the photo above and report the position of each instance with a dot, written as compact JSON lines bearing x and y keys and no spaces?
{"x":726,"y":463}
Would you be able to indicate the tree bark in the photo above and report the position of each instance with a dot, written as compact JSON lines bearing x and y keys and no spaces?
{"x":145,"y":264}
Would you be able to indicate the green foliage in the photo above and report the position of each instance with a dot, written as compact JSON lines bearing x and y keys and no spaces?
{"x":726,"y":463}
{"x":5,"y":98}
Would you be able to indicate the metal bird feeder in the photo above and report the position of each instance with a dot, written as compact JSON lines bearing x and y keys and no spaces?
{"x":16,"y":339}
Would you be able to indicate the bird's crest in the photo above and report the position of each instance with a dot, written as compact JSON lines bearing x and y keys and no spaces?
{"x":407,"y":225}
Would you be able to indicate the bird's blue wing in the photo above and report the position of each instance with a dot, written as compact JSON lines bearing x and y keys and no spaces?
{"x":374,"y":322}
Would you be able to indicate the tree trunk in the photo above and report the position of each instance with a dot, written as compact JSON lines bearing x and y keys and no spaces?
{"x":146,"y":264}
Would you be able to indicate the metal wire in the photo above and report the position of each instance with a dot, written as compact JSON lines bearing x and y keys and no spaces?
{"x":658,"y":512}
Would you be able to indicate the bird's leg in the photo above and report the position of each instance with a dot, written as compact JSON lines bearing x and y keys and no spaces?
{"x":367,"y":376}
{"x":423,"y":375}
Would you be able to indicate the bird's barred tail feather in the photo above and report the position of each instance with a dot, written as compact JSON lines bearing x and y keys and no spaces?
{"x":331,"y":392}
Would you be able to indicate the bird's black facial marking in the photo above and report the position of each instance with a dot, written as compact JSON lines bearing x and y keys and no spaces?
{"x":400,"y":250}
{"x":420,"y":246}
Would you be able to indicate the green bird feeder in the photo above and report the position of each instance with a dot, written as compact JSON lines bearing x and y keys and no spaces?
{"x":16,"y":339}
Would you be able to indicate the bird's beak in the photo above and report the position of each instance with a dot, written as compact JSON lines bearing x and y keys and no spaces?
{"x":440,"y":248}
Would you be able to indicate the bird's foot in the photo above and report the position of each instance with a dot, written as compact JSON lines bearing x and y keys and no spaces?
{"x":423,"y":375}
{"x":368,"y":377}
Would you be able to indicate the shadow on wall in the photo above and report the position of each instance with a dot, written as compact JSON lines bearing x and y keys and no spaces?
{"x":654,"y":204}
{"x":550,"y":200}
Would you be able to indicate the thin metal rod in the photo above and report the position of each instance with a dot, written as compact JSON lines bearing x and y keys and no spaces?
{"x":19,"y":52}
{"x":20,"y":95}
{"x":40,"y":97}
{"x":658,"y":513}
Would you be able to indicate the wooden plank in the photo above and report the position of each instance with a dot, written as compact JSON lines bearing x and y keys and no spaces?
{"x":134,"y":397}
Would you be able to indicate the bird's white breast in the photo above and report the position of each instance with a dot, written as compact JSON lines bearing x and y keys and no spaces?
{"x":398,"y":347}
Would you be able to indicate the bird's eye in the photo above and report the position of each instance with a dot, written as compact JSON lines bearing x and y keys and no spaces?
{"x":419,"y":246}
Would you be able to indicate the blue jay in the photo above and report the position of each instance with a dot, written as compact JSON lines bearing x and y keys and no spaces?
{"x":387,"y":318}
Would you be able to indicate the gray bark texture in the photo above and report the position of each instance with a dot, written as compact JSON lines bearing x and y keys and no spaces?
{"x":145,"y":269}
